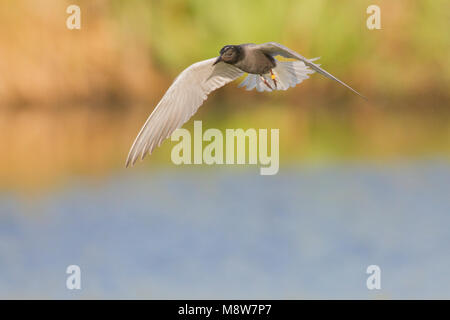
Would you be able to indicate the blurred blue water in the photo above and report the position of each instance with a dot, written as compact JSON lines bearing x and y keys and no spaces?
{"x":230,"y":233}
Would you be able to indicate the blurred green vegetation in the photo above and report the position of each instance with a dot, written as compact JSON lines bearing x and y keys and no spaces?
{"x":72,"y":101}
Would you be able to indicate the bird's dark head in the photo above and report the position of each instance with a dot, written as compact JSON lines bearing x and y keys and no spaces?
{"x":230,"y":54}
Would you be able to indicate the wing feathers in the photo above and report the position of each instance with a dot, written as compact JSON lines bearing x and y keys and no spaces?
{"x":180,"y":102}
{"x":274,"y":49}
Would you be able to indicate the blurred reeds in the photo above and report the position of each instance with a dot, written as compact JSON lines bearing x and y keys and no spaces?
{"x":72,"y":101}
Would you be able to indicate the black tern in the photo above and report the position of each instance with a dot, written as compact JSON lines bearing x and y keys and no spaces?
{"x":192,"y":86}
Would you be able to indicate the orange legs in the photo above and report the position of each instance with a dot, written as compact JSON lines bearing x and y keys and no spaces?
{"x":272,"y":76}
{"x":266,"y":83}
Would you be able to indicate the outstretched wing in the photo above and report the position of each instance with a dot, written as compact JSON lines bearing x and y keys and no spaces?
{"x":273,"y":49}
{"x":180,"y":102}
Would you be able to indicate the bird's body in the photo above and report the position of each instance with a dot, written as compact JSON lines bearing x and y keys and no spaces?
{"x":255,"y":61}
{"x":192,"y":86}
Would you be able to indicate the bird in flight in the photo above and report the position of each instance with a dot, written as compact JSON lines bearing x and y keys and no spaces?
{"x":192,"y":86}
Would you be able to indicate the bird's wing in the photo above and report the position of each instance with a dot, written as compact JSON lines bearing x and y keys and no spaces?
{"x":180,"y":102}
{"x":274,"y":49}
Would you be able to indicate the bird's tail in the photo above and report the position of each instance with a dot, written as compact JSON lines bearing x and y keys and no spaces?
{"x":287,"y":74}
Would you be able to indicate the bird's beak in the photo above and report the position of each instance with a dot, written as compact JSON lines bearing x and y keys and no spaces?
{"x":218,"y":60}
